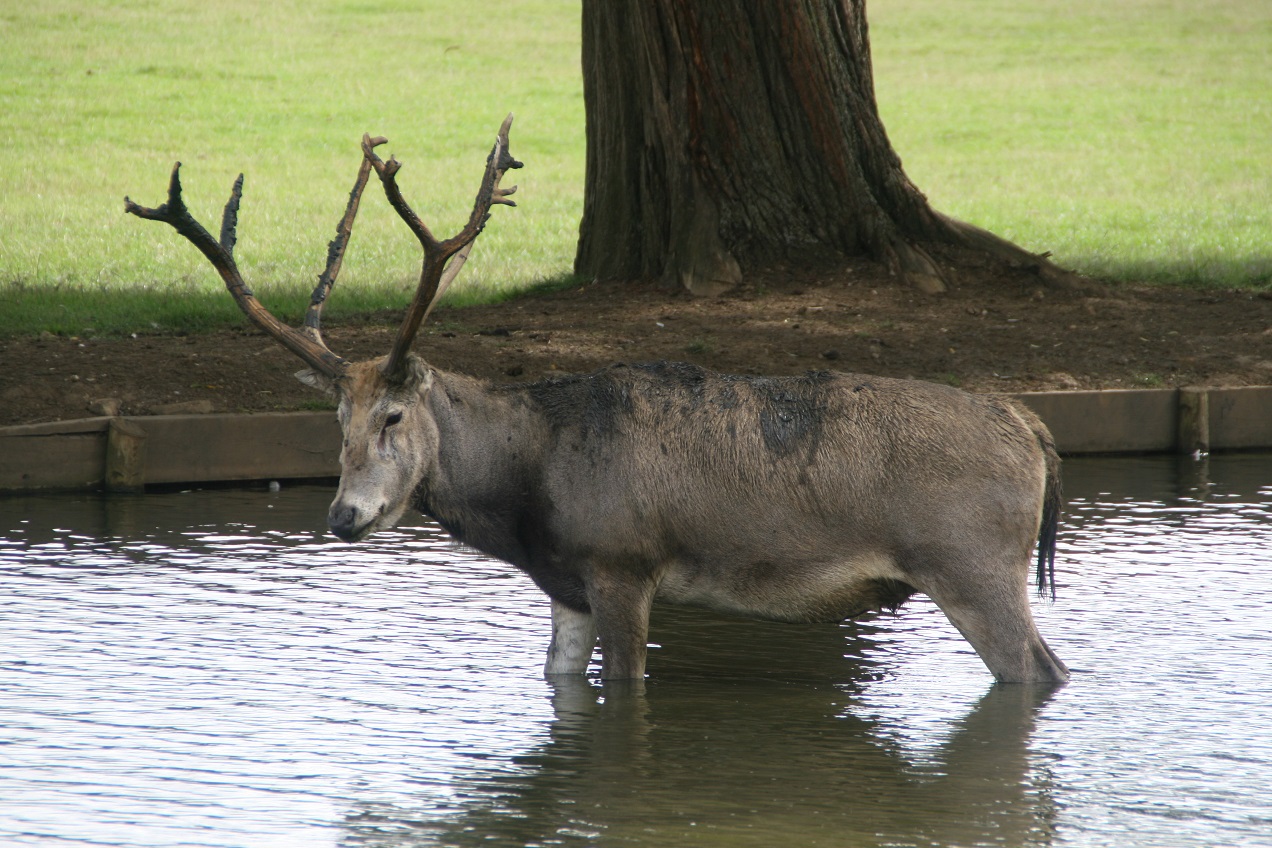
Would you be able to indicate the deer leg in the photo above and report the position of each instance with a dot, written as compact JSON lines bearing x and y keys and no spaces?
{"x":573,"y":638}
{"x":620,"y":605}
{"x":991,"y":609}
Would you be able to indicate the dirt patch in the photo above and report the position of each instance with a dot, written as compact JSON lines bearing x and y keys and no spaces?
{"x":1004,"y":332}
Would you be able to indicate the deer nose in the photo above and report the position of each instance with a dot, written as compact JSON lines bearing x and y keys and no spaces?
{"x":343,"y":521}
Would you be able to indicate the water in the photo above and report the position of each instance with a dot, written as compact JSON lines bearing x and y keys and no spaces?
{"x":207,"y":668}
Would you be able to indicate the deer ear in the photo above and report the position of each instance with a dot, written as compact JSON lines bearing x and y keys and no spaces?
{"x":316,"y":380}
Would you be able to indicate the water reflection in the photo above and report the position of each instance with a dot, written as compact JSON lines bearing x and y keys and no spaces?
{"x":210,"y":668}
{"x":694,"y":756}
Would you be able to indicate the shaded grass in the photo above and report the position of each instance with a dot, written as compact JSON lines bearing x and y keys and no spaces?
{"x":1130,"y":139}
{"x":185,"y":309}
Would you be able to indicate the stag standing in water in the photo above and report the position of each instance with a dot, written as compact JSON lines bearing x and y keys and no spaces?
{"x":813,"y":498}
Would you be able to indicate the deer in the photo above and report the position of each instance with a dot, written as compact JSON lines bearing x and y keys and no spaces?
{"x":816,"y":498}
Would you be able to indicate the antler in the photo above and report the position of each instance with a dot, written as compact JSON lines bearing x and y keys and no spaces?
{"x":306,"y":343}
{"x":336,"y":249}
{"x":436,"y":275}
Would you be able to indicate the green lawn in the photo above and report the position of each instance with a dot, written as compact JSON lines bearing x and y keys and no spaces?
{"x":1131,"y":139}
{"x":100,"y":99}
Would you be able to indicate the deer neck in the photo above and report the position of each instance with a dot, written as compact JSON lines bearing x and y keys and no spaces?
{"x":485,"y":480}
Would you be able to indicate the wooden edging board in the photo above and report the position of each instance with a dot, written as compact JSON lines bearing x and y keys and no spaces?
{"x":69,"y":455}
{"x":132,"y":452}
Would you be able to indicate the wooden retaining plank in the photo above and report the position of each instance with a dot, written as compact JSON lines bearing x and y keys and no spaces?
{"x":58,"y":428}
{"x":57,"y":455}
{"x":1111,"y":421}
{"x":177,"y":449}
{"x":1241,"y":419}
{"x":200,"y":448}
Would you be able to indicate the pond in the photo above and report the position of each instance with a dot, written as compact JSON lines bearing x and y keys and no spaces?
{"x":209,"y":668}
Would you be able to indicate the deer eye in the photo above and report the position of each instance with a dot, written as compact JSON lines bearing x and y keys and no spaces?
{"x":393,"y":418}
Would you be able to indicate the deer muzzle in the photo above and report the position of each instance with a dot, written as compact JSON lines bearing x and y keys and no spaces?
{"x":347,"y":522}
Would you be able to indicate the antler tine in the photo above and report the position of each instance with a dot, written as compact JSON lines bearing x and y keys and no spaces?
{"x":498,"y":195}
{"x":452,"y":271}
{"x":437,"y":253}
{"x":336,"y":248}
{"x":221,"y":255}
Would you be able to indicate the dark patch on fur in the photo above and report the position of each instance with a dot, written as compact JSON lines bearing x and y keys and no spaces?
{"x":789,"y":411}
{"x":560,"y":585}
{"x":882,"y":594}
{"x":684,"y":375}
{"x":511,"y":524}
{"x":675,"y":386}
{"x":792,"y":411}
{"x":591,"y":403}
{"x":728,"y":398}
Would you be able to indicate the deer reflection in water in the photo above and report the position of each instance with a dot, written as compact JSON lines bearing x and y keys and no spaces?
{"x":777,"y":754}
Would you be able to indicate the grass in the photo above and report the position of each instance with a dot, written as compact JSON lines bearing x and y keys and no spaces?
{"x":99,"y":100}
{"x":700,"y":346}
{"x":1130,"y":139}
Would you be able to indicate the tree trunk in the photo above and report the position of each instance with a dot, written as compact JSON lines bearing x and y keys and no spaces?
{"x":725,"y":135}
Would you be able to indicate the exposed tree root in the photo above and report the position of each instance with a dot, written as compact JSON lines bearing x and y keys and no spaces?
{"x":972,"y":236}
{"x":913,"y":264}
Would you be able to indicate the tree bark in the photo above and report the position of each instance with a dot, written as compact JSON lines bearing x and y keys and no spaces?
{"x":726,"y":135}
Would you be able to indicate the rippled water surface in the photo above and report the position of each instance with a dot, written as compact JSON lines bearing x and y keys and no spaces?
{"x":208,"y":668}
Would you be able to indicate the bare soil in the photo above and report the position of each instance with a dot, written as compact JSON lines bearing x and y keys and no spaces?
{"x":994,"y":331}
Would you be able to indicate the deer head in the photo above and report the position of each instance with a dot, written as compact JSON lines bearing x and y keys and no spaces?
{"x":388,"y":438}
